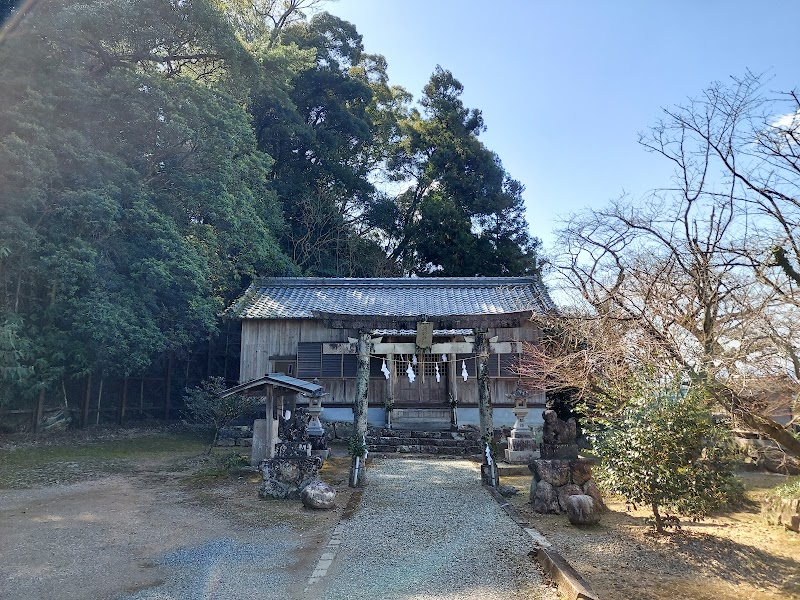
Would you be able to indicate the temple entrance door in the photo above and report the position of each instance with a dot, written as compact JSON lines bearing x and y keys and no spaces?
{"x":425,"y":391}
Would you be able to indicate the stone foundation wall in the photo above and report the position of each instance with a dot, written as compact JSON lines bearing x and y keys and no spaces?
{"x":782,"y":511}
{"x":239,"y":436}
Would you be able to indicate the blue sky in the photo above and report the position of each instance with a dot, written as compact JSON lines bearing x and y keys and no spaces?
{"x":565,"y":86}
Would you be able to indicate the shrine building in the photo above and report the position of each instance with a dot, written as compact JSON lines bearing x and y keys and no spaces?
{"x":422,"y":343}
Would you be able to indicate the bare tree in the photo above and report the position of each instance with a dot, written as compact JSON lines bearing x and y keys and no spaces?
{"x":665,"y":288}
{"x":700,"y":277}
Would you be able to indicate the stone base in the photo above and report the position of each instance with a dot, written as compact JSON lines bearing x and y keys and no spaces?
{"x":556,"y":480}
{"x":323,"y":454}
{"x":521,"y":456}
{"x":288,"y":477}
{"x":568,"y":451}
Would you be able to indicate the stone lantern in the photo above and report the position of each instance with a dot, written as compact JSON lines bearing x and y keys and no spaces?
{"x":521,"y":447}
{"x":315,"y":428}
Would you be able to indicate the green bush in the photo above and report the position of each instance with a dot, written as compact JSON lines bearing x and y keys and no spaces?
{"x":204,"y":405}
{"x":663,"y":450}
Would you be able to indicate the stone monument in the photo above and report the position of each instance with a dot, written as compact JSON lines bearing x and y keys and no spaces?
{"x":521,"y":444}
{"x":558,"y":437}
{"x":560,"y":472}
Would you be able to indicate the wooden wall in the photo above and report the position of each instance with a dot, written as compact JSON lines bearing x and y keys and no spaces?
{"x":262,"y":339}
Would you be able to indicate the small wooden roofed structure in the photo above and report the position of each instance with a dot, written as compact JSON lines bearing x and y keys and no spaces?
{"x":256,"y":387}
{"x":342,"y":325}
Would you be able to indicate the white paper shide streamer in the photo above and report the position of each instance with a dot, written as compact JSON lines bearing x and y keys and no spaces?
{"x":410,"y":373}
{"x":385,"y":369}
{"x":464,"y":373}
{"x":438,"y":376}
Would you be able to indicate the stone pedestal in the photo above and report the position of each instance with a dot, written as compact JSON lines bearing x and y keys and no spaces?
{"x":566,"y":451}
{"x":521,"y":450}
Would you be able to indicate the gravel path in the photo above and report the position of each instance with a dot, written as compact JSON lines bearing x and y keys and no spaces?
{"x":426,"y":528}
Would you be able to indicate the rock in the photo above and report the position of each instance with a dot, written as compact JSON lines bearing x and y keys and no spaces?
{"x":244,"y":442}
{"x":507,"y":490}
{"x":318,"y":495}
{"x":565,"y":492}
{"x":532,"y":492}
{"x":545,"y":500}
{"x":582,"y":510}
{"x":590,"y":489}
{"x":580,"y":470}
{"x":275,"y":489}
{"x":554,"y":472}
{"x":288,"y":477}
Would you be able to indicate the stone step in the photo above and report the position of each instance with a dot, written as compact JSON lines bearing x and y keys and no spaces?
{"x":426,"y":449}
{"x":423,"y":434}
{"x":404,"y":441}
{"x":423,"y":414}
{"x":411,"y":441}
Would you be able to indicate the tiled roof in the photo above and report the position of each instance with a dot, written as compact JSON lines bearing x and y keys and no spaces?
{"x":306,"y":298}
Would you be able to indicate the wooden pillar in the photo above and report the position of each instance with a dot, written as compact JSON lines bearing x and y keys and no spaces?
{"x":123,"y":403}
{"x":452,"y":389}
{"x":37,"y":412}
{"x":390,"y":390}
{"x":485,"y":405}
{"x":358,"y":468}
{"x":86,"y":400}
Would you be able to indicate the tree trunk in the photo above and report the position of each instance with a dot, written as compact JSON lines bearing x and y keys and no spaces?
{"x":123,"y":403}
{"x":37,"y":412}
{"x":168,"y":393}
{"x":657,"y":517}
{"x":99,"y":399}
{"x":360,"y":405}
{"x":86,"y":400}
{"x":772,"y":429}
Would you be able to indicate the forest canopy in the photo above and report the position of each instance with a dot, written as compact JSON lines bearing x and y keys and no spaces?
{"x":156,"y":155}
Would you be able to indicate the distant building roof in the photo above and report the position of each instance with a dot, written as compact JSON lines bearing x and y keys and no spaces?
{"x":307,"y":298}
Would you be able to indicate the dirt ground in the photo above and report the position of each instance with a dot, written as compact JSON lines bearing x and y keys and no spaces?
{"x":730,"y":556}
{"x":86,"y":523}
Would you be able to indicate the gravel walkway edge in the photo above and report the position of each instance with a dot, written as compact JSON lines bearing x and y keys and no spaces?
{"x":570,"y":583}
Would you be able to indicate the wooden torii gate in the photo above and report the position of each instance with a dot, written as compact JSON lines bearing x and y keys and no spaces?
{"x":482,"y":347}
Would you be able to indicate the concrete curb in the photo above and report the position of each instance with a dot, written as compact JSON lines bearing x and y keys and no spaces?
{"x":570,"y":583}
